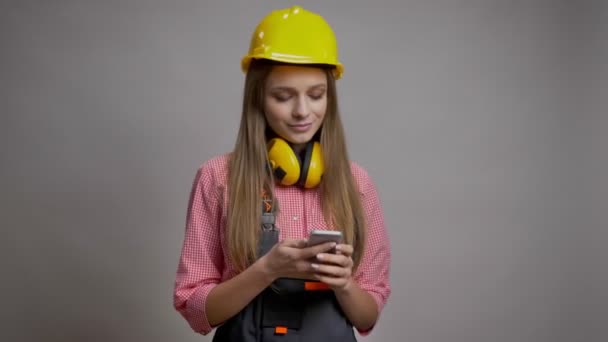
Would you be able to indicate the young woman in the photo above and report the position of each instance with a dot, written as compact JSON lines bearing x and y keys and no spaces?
{"x":246,"y":266}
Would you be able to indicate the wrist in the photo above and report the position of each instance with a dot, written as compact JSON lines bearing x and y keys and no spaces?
{"x":264,"y":270}
{"x":346,"y":289}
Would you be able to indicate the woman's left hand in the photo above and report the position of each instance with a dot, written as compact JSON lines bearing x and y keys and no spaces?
{"x":336,"y":269}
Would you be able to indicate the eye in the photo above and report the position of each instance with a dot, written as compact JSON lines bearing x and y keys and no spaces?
{"x":281,"y":97}
{"x":317,"y":96}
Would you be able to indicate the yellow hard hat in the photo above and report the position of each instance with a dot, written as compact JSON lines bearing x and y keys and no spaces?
{"x":294,"y":35}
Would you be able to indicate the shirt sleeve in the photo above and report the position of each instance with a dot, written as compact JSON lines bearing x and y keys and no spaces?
{"x":201,"y":261}
{"x":372,"y":275}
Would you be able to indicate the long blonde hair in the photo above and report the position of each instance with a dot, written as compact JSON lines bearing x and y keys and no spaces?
{"x":248,"y":175}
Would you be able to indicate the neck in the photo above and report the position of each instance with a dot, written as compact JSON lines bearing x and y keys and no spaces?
{"x":298,"y":148}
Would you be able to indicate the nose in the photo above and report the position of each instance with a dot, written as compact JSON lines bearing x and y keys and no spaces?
{"x":302,"y":108}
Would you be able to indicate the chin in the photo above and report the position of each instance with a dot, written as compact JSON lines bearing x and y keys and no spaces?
{"x":299,"y":140}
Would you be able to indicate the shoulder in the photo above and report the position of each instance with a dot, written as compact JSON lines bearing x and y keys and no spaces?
{"x":362,"y":178}
{"x":214,"y":170}
{"x":217,"y":163}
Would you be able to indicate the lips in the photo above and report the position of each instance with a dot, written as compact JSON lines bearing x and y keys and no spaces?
{"x":300,"y":127}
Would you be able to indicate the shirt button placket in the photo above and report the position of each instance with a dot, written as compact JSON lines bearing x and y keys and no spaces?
{"x":302,"y":214}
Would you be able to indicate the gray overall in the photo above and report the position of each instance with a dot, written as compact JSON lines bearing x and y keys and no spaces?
{"x":286,"y":311}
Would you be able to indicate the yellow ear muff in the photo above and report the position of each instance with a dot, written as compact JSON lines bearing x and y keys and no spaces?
{"x":312,"y":168}
{"x":287,"y":168}
{"x":283,"y":162}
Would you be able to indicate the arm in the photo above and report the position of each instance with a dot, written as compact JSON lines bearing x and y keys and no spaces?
{"x":372,"y":275}
{"x":358,"y":305}
{"x":286,"y":258}
{"x":361,"y":295}
{"x":201,"y":261}
{"x":228,"y":298}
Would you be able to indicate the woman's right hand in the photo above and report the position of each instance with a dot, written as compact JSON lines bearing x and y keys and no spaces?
{"x":292,"y":259}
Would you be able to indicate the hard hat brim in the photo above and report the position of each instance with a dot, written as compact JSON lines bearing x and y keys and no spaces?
{"x":246,"y":61}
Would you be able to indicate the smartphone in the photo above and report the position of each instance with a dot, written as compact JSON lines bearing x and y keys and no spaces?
{"x":321,"y":236}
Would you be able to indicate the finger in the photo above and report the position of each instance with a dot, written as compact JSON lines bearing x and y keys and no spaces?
{"x":304,"y":266}
{"x":312,"y":251}
{"x":345,"y":249}
{"x":330,"y":270}
{"x":336,"y":259}
{"x":334,"y":283}
{"x":294,"y":243}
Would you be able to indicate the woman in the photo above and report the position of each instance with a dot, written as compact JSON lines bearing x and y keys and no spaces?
{"x":245,"y":266}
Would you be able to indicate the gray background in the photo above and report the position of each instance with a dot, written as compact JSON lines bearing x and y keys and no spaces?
{"x":483,"y":123}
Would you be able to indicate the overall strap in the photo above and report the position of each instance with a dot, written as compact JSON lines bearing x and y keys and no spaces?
{"x":268,"y":212}
{"x":269,"y":233}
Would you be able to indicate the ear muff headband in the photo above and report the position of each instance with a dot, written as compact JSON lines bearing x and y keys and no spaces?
{"x":287,"y":168}
{"x":305,"y":164}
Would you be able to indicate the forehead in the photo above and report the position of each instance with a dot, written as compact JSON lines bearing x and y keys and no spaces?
{"x":296,"y":76}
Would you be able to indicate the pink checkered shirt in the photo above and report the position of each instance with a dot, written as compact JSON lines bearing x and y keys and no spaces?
{"x":204,"y":261}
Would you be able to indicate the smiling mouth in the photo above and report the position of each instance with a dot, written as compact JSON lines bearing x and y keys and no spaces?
{"x":300,"y":127}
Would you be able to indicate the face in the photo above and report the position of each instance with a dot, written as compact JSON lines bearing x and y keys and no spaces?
{"x":295,"y":102}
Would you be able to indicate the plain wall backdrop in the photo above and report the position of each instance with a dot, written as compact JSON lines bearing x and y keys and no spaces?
{"x":483,"y":123}
{"x":593,"y":114}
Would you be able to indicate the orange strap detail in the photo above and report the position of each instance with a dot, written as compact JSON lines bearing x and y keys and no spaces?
{"x":315,"y":286}
{"x":267,"y":200}
{"x":280,"y":330}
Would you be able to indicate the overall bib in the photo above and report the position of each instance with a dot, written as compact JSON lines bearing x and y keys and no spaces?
{"x":290,"y":310}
